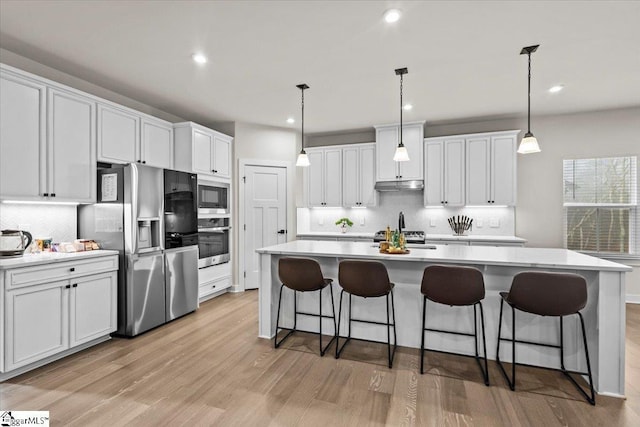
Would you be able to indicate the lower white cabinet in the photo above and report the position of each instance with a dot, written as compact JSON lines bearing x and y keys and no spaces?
{"x":44,"y":317}
{"x":212,"y":280}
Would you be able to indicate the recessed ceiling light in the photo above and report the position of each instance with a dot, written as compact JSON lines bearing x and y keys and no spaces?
{"x":407,"y":107}
{"x":556,"y":88}
{"x":392,"y":15}
{"x":199,"y":58}
{"x":291,"y":120}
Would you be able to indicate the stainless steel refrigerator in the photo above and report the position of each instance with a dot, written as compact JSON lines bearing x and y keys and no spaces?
{"x":130,"y":218}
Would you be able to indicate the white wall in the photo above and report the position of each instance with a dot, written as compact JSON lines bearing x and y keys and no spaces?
{"x":257,"y":142}
{"x":41,"y":220}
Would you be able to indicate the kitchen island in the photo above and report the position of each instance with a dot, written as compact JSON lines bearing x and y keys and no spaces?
{"x":604,"y":314}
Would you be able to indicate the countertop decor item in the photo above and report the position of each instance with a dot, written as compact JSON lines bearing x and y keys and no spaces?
{"x":529,"y":143}
{"x":343,"y":223}
{"x":460,"y":224}
{"x":14,"y":242}
{"x":303,"y":159}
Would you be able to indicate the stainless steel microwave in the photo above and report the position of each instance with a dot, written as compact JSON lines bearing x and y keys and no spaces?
{"x":213,"y":198}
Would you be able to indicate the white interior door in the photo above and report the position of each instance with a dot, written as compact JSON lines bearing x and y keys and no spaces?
{"x":265,"y":216}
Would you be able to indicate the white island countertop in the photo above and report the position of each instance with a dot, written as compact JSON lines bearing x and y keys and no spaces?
{"x":485,"y":255}
{"x":429,"y":237}
{"x":29,"y":260}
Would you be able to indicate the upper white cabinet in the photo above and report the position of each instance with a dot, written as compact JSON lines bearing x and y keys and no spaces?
{"x":491,"y":168}
{"x":47,"y":141}
{"x":22,"y":137}
{"x":126,"y":136}
{"x":387,"y":138}
{"x":203,"y":151}
{"x":444,"y":160}
{"x":324,"y":177}
{"x":156,"y":143}
{"x":71,"y":146}
{"x":359,"y":175}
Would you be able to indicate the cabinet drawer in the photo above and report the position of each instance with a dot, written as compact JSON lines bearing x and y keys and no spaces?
{"x":26,"y":276}
{"x":214,"y":272}
{"x":214,"y":286}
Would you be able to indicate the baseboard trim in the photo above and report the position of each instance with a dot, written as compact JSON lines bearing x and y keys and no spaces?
{"x":632,"y":299}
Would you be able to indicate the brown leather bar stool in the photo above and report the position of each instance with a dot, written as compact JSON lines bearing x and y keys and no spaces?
{"x":455,"y":286}
{"x":366,"y":279}
{"x":303,"y":275}
{"x":546,"y":294}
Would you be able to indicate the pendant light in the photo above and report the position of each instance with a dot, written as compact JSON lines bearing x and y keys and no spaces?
{"x":529,"y":143}
{"x":401,"y":154}
{"x":303,"y":159}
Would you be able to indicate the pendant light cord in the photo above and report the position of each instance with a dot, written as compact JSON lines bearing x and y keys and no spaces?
{"x":529,"y":98}
{"x":401,"y":144}
{"x":302,"y":119}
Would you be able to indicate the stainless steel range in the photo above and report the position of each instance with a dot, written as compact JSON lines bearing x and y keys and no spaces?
{"x":410,"y":236}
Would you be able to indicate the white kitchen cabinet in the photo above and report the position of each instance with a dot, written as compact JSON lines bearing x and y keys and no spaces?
{"x":127,"y":136}
{"x":358,"y":175}
{"x":47,"y":141}
{"x":387,"y":138}
{"x":71,"y":163}
{"x":55,"y":307}
{"x":203,"y":151}
{"x":324,"y":177}
{"x":36,"y":324}
{"x":92,"y":307}
{"x":22,"y":137}
{"x":444,"y":171}
{"x":212,"y":280}
{"x":118,"y":135}
{"x":491,"y":168}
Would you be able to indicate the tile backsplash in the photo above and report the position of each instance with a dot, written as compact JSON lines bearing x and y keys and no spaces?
{"x":490,"y":220}
{"x":41,"y":220}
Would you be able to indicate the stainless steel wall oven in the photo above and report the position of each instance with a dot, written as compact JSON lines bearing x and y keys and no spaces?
{"x":213,"y":241}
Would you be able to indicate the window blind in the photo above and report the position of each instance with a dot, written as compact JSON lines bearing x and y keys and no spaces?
{"x":600,"y":205}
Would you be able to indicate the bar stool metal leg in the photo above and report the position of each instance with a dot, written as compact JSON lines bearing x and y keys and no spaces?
{"x":424,"y":322}
{"x":512,"y":383}
{"x":323,"y":350}
{"x":484,"y":346}
{"x":277,"y":343}
{"x":589,"y":398}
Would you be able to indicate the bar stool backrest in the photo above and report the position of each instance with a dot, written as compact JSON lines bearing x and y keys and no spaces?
{"x":300,"y":274}
{"x":548,"y":294}
{"x":453,"y":285}
{"x":364,"y":278}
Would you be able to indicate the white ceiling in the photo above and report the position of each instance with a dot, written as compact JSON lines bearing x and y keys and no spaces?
{"x":463,"y":57}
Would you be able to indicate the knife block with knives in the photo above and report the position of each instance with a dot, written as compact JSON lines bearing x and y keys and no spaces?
{"x":460,"y":224}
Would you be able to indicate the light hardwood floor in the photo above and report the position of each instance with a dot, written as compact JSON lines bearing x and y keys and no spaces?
{"x":209,"y":368}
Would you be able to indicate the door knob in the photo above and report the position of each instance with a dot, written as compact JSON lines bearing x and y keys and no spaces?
{"x":281,"y":231}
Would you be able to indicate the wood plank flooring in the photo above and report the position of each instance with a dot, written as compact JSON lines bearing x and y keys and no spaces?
{"x":209,"y":368}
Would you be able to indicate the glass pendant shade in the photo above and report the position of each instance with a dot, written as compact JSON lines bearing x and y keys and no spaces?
{"x":303,"y":159}
{"x":401,"y":154}
{"x":529,"y":144}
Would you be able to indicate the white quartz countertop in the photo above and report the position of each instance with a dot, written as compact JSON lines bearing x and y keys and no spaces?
{"x":348,"y":234}
{"x":28,"y":260}
{"x":477,"y":237}
{"x":451,"y":254}
{"x":450,"y":237}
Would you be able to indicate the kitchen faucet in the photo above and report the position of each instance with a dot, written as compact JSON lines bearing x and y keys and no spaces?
{"x":400,"y":222}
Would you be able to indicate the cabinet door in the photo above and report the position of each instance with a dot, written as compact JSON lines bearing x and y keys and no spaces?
{"x":71,"y":146}
{"x":315,"y":172}
{"x":221,"y":157}
{"x":503,"y":170}
{"x":478,"y":191}
{"x":433,"y":176}
{"x":202,"y":152}
{"x":454,"y":166}
{"x":118,"y":135}
{"x":333,"y":177}
{"x":386,"y":142}
{"x":368,"y":194}
{"x":22,"y":138}
{"x":37,"y":323}
{"x":92,"y":307}
{"x":157,"y":144}
{"x":351,"y":176}
{"x":413,"y":140}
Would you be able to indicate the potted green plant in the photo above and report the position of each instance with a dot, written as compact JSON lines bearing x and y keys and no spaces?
{"x":343,"y":223}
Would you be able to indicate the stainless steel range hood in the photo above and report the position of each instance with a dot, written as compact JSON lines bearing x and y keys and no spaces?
{"x":417,"y":185}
